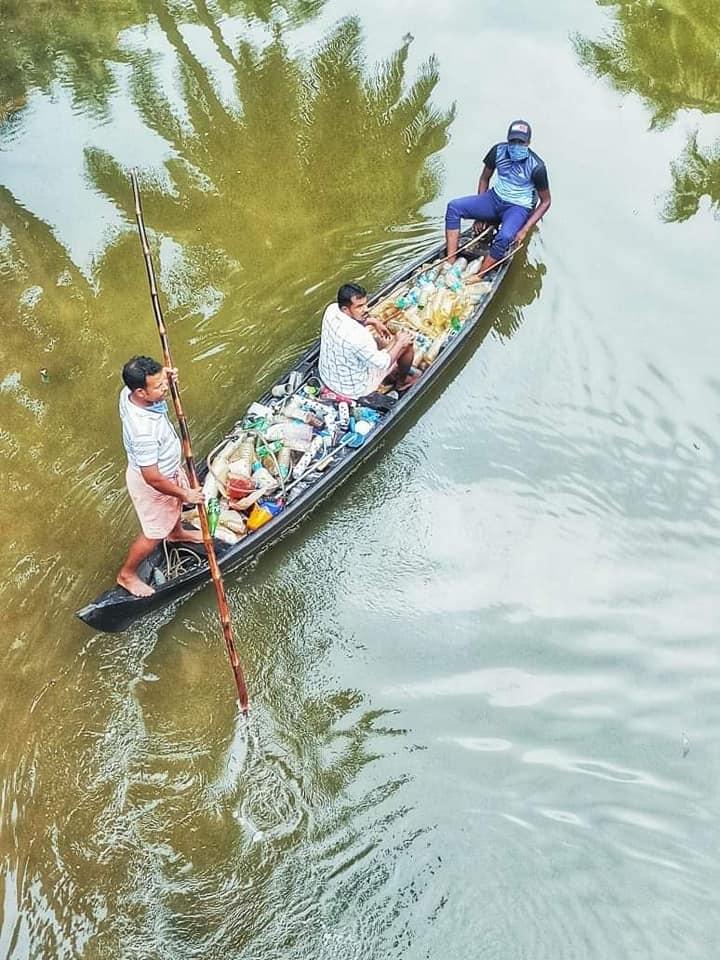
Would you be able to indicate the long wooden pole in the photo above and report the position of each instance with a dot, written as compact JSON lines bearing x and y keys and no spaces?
{"x":189,"y":459}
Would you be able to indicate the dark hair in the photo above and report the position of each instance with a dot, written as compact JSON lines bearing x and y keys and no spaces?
{"x":137,"y":370}
{"x":347,"y":292}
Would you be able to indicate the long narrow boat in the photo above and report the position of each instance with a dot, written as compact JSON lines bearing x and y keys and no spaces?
{"x":176,"y":574}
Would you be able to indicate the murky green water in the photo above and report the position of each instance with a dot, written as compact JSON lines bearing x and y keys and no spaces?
{"x":484,"y":676}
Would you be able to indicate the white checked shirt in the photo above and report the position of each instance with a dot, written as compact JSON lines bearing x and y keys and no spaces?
{"x":350,"y":361}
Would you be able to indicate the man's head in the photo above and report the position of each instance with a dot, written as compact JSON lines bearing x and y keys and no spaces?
{"x":520,"y":132}
{"x":145,"y":378}
{"x":352,"y":299}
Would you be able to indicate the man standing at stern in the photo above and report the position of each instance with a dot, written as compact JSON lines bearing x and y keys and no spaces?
{"x":519,"y":199}
{"x":155,"y":478}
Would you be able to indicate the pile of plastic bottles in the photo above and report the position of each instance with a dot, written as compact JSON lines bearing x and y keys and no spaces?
{"x":429,"y":282}
{"x":435,"y":306}
{"x":273,"y":454}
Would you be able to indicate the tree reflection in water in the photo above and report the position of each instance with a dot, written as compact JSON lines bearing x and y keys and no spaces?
{"x":666,"y":51}
{"x":695,"y":175}
{"x":62,"y":40}
{"x":313,"y":155}
{"x":317,"y":159}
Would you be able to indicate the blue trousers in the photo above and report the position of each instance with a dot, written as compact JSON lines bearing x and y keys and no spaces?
{"x":490,"y":208}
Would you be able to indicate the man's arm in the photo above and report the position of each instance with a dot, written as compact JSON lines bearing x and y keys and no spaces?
{"x":484,"y":181}
{"x":375,"y":324}
{"x":374,"y":357}
{"x":537,"y":215}
{"x":483,"y":187}
{"x":403,"y":339}
{"x":153,"y":477}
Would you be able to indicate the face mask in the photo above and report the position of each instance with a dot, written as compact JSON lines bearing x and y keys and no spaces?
{"x":518,"y":151}
{"x":159,"y":406}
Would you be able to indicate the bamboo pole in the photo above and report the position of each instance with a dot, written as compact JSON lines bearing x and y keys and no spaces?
{"x":223,"y":608}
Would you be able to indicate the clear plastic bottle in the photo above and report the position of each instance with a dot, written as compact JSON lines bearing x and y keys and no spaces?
{"x":285,"y":462}
{"x":306,"y":459}
{"x":435,"y":347}
{"x":295,"y":436}
{"x":296,"y":412}
{"x":242,"y":459}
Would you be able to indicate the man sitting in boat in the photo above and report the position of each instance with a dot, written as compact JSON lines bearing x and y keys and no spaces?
{"x":155,"y":478}
{"x":521,"y":180}
{"x":352,"y":364}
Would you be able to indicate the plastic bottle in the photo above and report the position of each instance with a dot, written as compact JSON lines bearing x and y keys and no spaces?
{"x":426,"y":288}
{"x":294,"y":436}
{"x":265,"y":449}
{"x":414,"y":316}
{"x":435,"y":347}
{"x":285,"y":462}
{"x":213,"y":514}
{"x":295,"y":411}
{"x":263,"y":478}
{"x":242,"y":459}
{"x":219,"y":464}
{"x":302,"y":465}
{"x":305,"y":460}
{"x":409,"y":299}
{"x":210,"y":487}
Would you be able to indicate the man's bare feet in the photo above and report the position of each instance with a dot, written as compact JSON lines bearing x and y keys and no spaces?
{"x":407,"y":383}
{"x":134,"y":585}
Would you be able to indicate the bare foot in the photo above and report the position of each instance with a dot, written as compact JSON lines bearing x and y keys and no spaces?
{"x":188,"y":536}
{"x":134,"y":585}
{"x":407,"y":383}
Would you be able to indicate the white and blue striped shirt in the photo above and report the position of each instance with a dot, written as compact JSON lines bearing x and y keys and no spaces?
{"x":149,"y":437}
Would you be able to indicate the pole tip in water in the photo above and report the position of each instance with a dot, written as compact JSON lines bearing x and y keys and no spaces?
{"x":44,"y":375}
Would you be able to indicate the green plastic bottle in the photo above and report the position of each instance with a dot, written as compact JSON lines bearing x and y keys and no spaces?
{"x":213,"y":514}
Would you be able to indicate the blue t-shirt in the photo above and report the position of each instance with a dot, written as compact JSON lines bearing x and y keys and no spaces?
{"x":516,"y":180}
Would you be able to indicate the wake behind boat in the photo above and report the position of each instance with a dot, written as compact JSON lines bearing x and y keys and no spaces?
{"x":298,"y":442}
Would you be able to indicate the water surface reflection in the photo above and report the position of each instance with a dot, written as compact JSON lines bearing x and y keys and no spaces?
{"x":667,"y":53}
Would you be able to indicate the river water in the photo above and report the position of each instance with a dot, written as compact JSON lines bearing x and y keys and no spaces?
{"x":485,"y":713}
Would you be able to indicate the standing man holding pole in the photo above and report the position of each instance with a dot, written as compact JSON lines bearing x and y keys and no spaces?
{"x":156,"y":481}
{"x":213,"y":566}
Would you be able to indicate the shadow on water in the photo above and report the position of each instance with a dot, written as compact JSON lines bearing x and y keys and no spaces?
{"x":123,"y":819}
{"x":665,"y":51}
